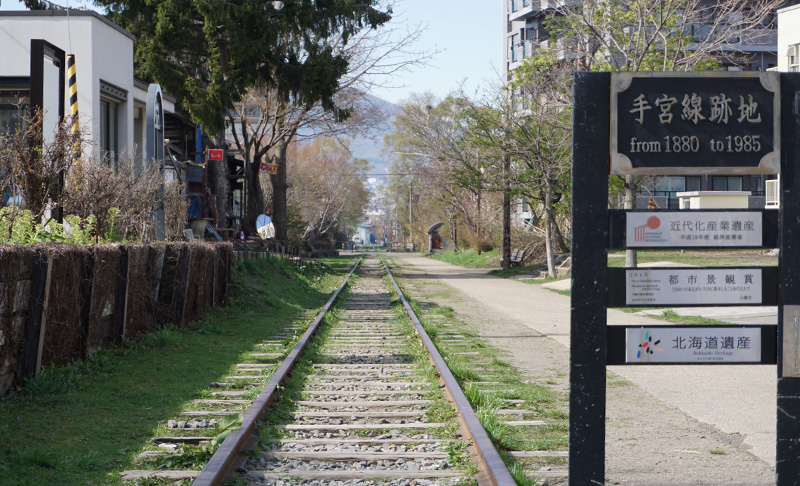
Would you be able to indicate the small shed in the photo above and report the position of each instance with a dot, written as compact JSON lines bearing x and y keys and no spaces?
{"x":434,"y":238}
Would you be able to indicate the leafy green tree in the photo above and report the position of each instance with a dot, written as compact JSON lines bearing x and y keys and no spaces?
{"x":208,"y":53}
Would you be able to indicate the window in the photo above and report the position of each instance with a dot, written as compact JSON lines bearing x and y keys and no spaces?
{"x":514,"y":43}
{"x":112,"y":101}
{"x":769,"y":21}
{"x":514,"y":5}
{"x":726,"y":183}
{"x":14,"y":105}
{"x":794,"y":58}
{"x":13,"y":110}
{"x":670,"y":186}
{"x":109,"y":130}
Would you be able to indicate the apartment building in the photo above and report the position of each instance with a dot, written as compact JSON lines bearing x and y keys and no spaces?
{"x":756,"y":50}
{"x":526,"y":31}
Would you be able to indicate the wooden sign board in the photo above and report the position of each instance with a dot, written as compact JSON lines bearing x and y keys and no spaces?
{"x":695,"y":123}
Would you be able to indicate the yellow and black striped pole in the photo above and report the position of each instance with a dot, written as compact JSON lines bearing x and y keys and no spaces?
{"x":73,"y":104}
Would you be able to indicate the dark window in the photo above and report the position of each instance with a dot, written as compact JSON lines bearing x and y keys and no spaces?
{"x":670,"y":186}
{"x":726,"y":183}
{"x":13,"y":110}
{"x":514,"y":44}
{"x":109,"y":130}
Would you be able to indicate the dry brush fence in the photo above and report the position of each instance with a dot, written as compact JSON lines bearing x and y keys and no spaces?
{"x":59,"y":302}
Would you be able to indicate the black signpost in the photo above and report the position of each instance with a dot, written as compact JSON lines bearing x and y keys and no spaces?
{"x":681,"y":123}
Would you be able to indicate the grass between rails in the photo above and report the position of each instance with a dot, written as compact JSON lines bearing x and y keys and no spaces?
{"x":85,"y":423}
{"x":439,"y":411}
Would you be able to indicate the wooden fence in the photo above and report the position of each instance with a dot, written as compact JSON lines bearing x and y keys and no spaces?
{"x":59,"y":302}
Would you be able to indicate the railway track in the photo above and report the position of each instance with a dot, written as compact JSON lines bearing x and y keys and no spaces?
{"x":356,"y":401}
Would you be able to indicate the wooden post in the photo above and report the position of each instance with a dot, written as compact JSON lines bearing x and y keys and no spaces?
{"x":120,"y":295}
{"x":590,"y":171}
{"x":43,"y":331}
{"x":39,"y":271}
{"x":210,"y":268}
{"x":87,"y":276}
{"x":787,"y":468}
{"x":182,"y":287}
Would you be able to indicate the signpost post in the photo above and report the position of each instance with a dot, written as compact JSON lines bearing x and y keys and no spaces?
{"x":681,"y":124}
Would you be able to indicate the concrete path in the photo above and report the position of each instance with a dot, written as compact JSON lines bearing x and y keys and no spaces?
{"x":735,"y":399}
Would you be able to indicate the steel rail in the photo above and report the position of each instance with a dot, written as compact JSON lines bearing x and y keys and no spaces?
{"x":493,"y":463}
{"x":224,"y":458}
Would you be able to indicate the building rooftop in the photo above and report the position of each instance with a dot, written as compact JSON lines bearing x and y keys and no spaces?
{"x":66,"y":13}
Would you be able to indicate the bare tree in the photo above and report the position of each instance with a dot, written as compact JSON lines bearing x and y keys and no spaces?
{"x":123,"y":199}
{"x":431,"y":139}
{"x":664,"y":35}
{"x":33,"y":165}
{"x":327,"y":188}
{"x":265,"y":123}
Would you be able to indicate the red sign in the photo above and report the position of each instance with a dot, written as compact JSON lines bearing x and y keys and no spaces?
{"x":214,"y":154}
{"x":262,"y":167}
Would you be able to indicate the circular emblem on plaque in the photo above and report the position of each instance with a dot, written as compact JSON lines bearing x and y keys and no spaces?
{"x":653,"y":222}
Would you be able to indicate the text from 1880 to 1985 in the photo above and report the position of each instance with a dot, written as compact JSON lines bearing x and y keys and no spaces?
{"x":694,"y":123}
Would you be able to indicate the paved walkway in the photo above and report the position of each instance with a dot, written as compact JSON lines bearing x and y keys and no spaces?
{"x":735,"y":399}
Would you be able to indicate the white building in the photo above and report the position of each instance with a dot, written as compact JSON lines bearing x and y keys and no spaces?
{"x":111,"y":103}
{"x":789,"y":39}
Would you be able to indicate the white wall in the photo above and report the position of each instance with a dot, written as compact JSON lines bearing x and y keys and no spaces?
{"x":102,"y":51}
{"x":788,"y":34}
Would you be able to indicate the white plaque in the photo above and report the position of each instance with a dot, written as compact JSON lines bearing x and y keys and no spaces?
{"x":693,"y":228}
{"x":687,"y":286}
{"x":693,"y":344}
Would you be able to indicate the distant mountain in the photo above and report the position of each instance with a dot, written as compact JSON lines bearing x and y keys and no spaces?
{"x":371,"y":147}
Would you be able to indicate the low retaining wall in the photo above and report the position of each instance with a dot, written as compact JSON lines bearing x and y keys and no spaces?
{"x":59,"y":302}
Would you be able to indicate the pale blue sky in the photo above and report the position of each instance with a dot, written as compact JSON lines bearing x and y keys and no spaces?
{"x":469,"y":34}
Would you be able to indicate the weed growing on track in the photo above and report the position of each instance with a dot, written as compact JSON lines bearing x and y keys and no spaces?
{"x":489,"y":383}
{"x":83,"y":424}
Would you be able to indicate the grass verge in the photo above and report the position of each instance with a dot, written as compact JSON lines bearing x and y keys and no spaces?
{"x":494,"y":386}
{"x":469,"y":258}
{"x":85,"y":423}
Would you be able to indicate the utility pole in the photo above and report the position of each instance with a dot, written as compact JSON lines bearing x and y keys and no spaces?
{"x":410,"y":212}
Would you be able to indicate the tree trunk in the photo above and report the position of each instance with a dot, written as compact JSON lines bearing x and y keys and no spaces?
{"x":454,"y":234}
{"x":219,"y":184}
{"x":548,"y":228}
{"x":279,"y":187}
{"x":630,"y":203}
{"x":255,"y":196}
{"x":478,"y":220}
{"x":506,"y":213}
